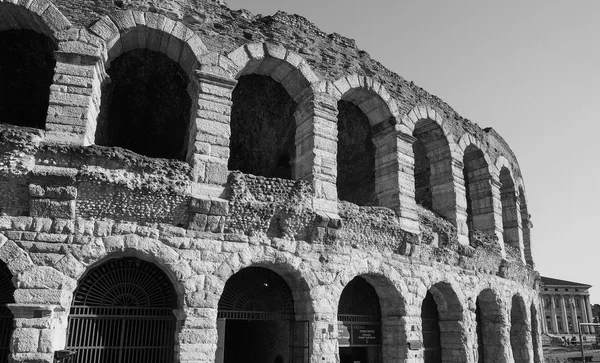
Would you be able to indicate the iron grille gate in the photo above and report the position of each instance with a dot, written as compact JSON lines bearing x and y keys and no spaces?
{"x":121,"y":335}
{"x":122,"y":312}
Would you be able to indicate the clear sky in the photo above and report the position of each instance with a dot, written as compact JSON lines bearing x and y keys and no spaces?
{"x":529,"y":69}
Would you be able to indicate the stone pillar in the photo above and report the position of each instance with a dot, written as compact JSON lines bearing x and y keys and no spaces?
{"x":563,"y":310}
{"x":316,"y":149}
{"x":461,"y":201}
{"x":199,"y":337}
{"x":208,"y":146}
{"x":553,"y":316}
{"x":588,"y":308}
{"x":40,"y":330}
{"x":584,"y":316}
{"x":323,"y":330}
{"x":74,"y":101}
{"x":543,"y":313}
{"x":394,"y":174}
{"x":496,"y":214}
{"x":448,"y":192}
{"x":571,"y":303}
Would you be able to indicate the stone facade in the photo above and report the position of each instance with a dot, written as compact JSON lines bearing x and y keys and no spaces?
{"x":441,"y":213}
{"x":564,"y":305}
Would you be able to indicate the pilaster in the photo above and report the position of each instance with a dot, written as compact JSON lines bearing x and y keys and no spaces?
{"x":40,"y":330}
{"x":394,"y":175}
{"x":74,"y":102}
{"x":316,"y":149}
{"x":209,"y":133}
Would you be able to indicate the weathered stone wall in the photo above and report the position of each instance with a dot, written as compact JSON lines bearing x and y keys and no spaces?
{"x":68,"y":205}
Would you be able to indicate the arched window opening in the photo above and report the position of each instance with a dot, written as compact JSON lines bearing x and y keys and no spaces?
{"x":145,"y":108}
{"x":355,"y":156}
{"x":480,"y":208}
{"x":510,"y":212}
{"x":526,"y":227}
{"x":535,"y":334}
{"x":519,"y":331}
{"x":256,"y":321}
{"x":263,"y":128}
{"x":490,"y":323}
{"x":423,"y":191}
{"x":26,"y":72}
{"x":359,"y":323}
{"x":122,"y":312}
{"x":7,"y":291}
{"x":433,"y":167}
{"x":431,"y":330}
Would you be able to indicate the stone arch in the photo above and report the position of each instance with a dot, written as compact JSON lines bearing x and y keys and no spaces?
{"x":29,"y":33}
{"x":127,"y":30}
{"x":490,"y":327}
{"x":41,"y":16}
{"x":481,"y":190}
{"x":145,"y":299}
{"x":367,"y":164}
{"x":436,"y":155}
{"x":511,"y":218}
{"x":296,"y":277}
{"x":449,"y":303}
{"x":520,"y":330}
{"x":271,"y":100}
{"x":154,"y":252}
{"x":299,"y":277}
{"x":150,"y":105}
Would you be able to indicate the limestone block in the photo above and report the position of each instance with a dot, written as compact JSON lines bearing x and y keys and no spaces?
{"x":25,"y":340}
{"x":52,"y":208}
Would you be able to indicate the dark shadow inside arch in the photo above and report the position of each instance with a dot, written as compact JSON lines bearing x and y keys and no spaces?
{"x":123,"y":312}
{"x":430,"y":321}
{"x":7,"y":291}
{"x":145,"y":107}
{"x":256,"y":320}
{"x":535,"y":335}
{"x":26,"y":71}
{"x":519,"y":331}
{"x":359,"y":323}
{"x":355,"y":156}
{"x":263,"y":128}
{"x":477,"y":190}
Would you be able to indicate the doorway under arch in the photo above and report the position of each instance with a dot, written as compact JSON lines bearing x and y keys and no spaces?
{"x":7,"y":290}
{"x":359,"y":323}
{"x":122,"y":312}
{"x":256,"y":320}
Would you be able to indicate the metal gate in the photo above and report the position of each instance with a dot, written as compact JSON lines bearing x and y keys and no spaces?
{"x":122,"y":312}
{"x":431,"y":330}
{"x":6,"y":318}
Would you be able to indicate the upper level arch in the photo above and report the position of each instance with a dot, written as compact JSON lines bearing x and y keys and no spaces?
{"x":270,"y":102}
{"x":282,"y":65}
{"x":480,"y":178}
{"x":127,"y":30}
{"x":435,"y":155}
{"x":368,"y":94}
{"x":41,"y":16}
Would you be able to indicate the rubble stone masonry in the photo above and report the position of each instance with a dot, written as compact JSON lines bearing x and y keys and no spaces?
{"x":441,"y":210}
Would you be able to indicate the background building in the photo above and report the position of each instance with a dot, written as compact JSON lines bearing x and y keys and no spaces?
{"x":564,"y":305}
{"x":186,"y":183}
